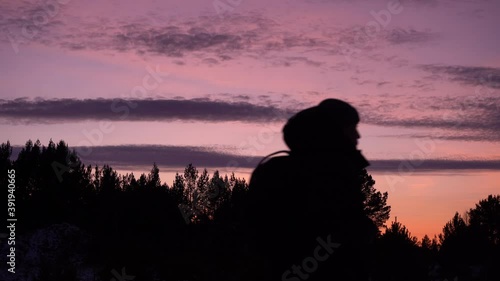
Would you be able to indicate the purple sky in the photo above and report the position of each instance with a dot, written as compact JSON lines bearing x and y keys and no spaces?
{"x":212,"y":83}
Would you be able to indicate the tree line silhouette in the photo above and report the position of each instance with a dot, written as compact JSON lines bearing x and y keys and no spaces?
{"x":89,"y":220}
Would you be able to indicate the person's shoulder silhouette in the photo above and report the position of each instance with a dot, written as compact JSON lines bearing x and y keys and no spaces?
{"x":312,"y":192}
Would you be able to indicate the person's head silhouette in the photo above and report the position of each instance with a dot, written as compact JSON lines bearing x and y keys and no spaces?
{"x":329,"y":127}
{"x":313,"y":192}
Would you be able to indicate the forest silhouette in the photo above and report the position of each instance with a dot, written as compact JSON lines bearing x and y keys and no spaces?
{"x":312,"y":213}
{"x":97,"y":222}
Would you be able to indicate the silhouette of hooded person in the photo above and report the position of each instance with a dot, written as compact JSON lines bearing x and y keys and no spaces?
{"x":305,"y":210}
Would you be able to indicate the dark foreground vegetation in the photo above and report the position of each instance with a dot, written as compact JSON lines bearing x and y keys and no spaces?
{"x":78,"y":222}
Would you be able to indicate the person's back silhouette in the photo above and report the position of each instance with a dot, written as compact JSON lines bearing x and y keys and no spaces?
{"x":305,"y":210}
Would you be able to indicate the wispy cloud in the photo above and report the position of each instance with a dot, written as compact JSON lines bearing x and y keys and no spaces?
{"x":471,"y":118}
{"x":402,"y":36}
{"x":472,"y":75}
{"x":23,"y":111}
{"x":132,"y":156}
{"x":127,"y":156}
{"x":211,"y":39}
{"x":436,"y":165}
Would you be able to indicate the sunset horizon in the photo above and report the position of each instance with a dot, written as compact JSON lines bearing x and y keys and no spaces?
{"x":212,"y":83}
